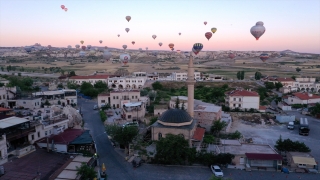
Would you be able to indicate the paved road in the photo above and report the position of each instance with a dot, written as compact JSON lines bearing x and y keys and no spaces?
{"x":118,"y":168}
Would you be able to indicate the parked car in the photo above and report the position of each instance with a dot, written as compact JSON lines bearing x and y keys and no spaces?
{"x":290,"y":125}
{"x":131,"y":124}
{"x":95,"y":107}
{"x":216,"y":171}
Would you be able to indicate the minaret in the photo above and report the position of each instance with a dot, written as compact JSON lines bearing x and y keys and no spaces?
{"x":190,"y":83}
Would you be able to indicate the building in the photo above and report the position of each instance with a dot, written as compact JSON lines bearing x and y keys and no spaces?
{"x":212,"y":77}
{"x":8,"y":95}
{"x":207,"y":114}
{"x":242,"y":99}
{"x":302,"y":98}
{"x":89,"y":79}
{"x":31,"y":103}
{"x":140,"y":74}
{"x":182,"y":76}
{"x":133,"y":111}
{"x":118,"y":98}
{"x":5,"y":82}
{"x":255,"y":155}
{"x":59,"y":97}
{"x":82,"y":143}
{"x":177,"y":122}
{"x":128,"y":83}
{"x":159,"y":109}
{"x":153,"y":76}
{"x":299,"y":161}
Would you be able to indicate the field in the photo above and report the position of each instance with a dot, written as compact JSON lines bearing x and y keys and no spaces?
{"x":285,"y":66}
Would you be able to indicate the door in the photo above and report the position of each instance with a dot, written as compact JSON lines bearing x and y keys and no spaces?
{"x":241,"y":160}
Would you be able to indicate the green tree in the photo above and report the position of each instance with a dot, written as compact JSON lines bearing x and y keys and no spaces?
{"x":122,"y":135}
{"x":262,"y":91}
{"x":208,"y":139}
{"x":72,"y":85}
{"x":86,"y":172}
{"x":293,"y":77}
{"x":278,"y":85}
{"x":257,"y":76}
{"x":2,"y":68}
{"x":62,"y":72}
{"x":315,"y":109}
{"x":242,"y":75}
{"x":72,"y":73}
{"x":177,"y":103}
{"x":85,"y":86}
{"x":288,"y":145}
{"x":143,"y":92}
{"x":217,"y":127}
{"x":298,"y":69}
{"x":1,"y":84}
{"x":213,"y":177}
{"x":157,"y":85}
{"x":269,"y":85}
{"x":9,"y":68}
{"x":60,"y":86}
{"x":239,"y":75}
{"x":168,"y":153}
{"x":100,"y":85}
{"x":183,"y":106}
{"x":19,"y":74}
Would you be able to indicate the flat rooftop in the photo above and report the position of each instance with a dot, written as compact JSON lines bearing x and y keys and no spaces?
{"x":247,"y":148}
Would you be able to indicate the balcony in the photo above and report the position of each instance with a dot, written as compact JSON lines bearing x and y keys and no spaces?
{"x":19,"y":133}
{"x":132,"y":109}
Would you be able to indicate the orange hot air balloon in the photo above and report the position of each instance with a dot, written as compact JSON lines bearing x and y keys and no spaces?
{"x":208,"y":35}
{"x":81,"y":41}
{"x":133,"y":42}
{"x":128,"y":18}
{"x":205,"y":23}
{"x":171,"y":45}
{"x":62,"y":6}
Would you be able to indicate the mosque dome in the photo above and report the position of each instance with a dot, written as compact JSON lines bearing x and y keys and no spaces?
{"x":175,"y":117}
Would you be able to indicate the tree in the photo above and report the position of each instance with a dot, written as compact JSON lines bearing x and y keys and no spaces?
{"x":269,"y":85}
{"x":72,"y":73}
{"x":157,"y":85}
{"x":298,"y":69}
{"x":177,"y":103}
{"x":218,"y":126}
{"x":240,"y":75}
{"x":86,"y":172}
{"x":1,"y":84}
{"x":288,"y":145}
{"x":72,"y":85}
{"x":9,"y":68}
{"x":2,"y":68}
{"x":315,"y":109}
{"x":293,"y":77}
{"x":278,"y":85}
{"x":143,"y":92}
{"x":100,"y":85}
{"x":183,"y":106}
{"x":213,"y":177}
{"x":60,"y":85}
{"x":85,"y":86}
{"x":257,"y":76}
{"x":168,"y":153}
{"x":122,"y":135}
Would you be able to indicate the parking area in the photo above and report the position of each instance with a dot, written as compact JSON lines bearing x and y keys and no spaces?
{"x":269,"y":134}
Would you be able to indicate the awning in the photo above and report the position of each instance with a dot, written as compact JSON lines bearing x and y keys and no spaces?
{"x":304,"y":160}
{"x":134,"y":104}
{"x":11,"y":121}
{"x":260,"y":156}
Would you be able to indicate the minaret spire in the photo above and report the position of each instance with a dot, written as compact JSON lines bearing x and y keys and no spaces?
{"x":190,"y":83}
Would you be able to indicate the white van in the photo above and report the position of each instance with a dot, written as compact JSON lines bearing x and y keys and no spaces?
{"x":290,"y":125}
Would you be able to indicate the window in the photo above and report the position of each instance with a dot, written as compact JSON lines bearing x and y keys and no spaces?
{"x":117,"y":97}
{"x":32,"y":137}
{"x":239,"y":105}
{"x":234,"y":99}
{"x":45,"y":133}
{"x":239,"y":99}
{"x":4,"y":96}
{"x":136,"y":97}
{"x":35,"y":104}
{"x":159,"y":136}
{"x":103,"y":101}
{"x":234,"y":105}
{"x":38,"y":134}
{"x":129,"y":116}
{"x":0,"y":97}
{"x":114,"y":97}
{"x":132,"y":97}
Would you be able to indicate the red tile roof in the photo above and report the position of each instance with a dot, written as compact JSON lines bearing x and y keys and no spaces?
{"x":284,"y":79}
{"x":4,"y":109}
{"x":262,"y":107}
{"x":91,"y":77}
{"x":242,"y":93}
{"x":198,"y":134}
{"x":305,"y":96}
{"x":259,"y":156}
{"x":65,"y":137}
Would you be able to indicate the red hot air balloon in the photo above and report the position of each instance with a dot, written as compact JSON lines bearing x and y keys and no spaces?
{"x":171,"y":45}
{"x":208,"y":35}
{"x":65,"y":9}
{"x":133,"y":42}
{"x":62,"y":6}
{"x":231,"y":55}
{"x":83,"y":48}
{"x":205,"y":23}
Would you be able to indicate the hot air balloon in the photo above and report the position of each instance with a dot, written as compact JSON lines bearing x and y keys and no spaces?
{"x":81,"y":41}
{"x":231,"y":55}
{"x":264,"y":57}
{"x":62,"y":6}
{"x":124,"y":47}
{"x":88,"y":47}
{"x":118,"y":35}
{"x":155,"y":53}
{"x":179,"y":34}
{"x":133,"y":42}
{"x":82,"y":53}
{"x":106,"y":47}
{"x":208,"y":35}
{"x":77,"y":46}
{"x":125,"y":58}
{"x":197,"y":47}
{"x":69,"y":47}
{"x":213,"y":30}
{"x":83,"y":48}
{"x":171,"y":45}
{"x":205,"y":23}
{"x":258,"y":30}
{"x":92,"y":52}
{"x":65,"y":9}
{"x":49,"y":46}
{"x":27,"y":49}
{"x":100,"y":41}
{"x":127,"y":29}
{"x":160,"y":43}
{"x":107,"y":55}
{"x":154,"y":36}
{"x":128,"y":18}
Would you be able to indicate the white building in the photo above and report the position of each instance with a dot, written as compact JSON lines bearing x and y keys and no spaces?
{"x":31,"y":103}
{"x":182,"y":76}
{"x":303,"y":98}
{"x":118,"y":98}
{"x":90,"y":79}
{"x":127,"y":83}
{"x":7,"y":96}
{"x":153,"y":76}
{"x":242,"y":99}
{"x":59,"y":97}
{"x":140,"y":74}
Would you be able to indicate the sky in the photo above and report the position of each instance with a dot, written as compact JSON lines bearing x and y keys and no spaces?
{"x":290,"y":24}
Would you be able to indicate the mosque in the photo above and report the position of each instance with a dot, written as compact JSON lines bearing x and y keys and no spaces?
{"x":180,"y":122}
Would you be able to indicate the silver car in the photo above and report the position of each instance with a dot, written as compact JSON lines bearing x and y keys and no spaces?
{"x":216,"y":171}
